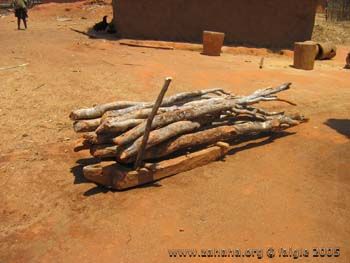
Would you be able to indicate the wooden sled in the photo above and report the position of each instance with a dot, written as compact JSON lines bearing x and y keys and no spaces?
{"x":116,"y":176}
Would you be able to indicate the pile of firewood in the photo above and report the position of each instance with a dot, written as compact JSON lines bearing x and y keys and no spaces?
{"x":139,"y":142}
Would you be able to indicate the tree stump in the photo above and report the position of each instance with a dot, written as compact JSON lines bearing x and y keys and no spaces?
{"x":212,"y":43}
{"x":326,"y":51}
{"x":304,"y":55}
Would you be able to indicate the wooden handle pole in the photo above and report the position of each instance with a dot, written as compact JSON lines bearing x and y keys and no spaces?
{"x":149,"y":122}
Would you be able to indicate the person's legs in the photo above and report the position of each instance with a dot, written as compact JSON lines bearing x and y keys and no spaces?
{"x":25,"y":23}
{"x":18,"y":23}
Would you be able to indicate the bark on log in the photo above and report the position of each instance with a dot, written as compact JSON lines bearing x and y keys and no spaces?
{"x":214,"y":106}
{"x":122,"y":112}
{"x":213,"y":135}
{"x":304,"y":55}
{"x":170,"y":117}
{"x":93,"y":138}
{"x":169,"y":101}
{"x":86,"y":125}
{"x":117,"y":126}
{"x":262,"y":95}
{"x":110,"y":119}
{"x":114,"y":175}
{"x":103,"y":151}
{"x":161,"y":135}
{"x":143,"y":113}
{"x":97,"y":112}
{"x":177,"y":99}
{"x":81,"y":144}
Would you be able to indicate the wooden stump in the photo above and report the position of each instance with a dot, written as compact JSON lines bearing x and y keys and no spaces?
{"x":326,"y":51}
{"x":212,"y":43}
{"x":304,"y":55}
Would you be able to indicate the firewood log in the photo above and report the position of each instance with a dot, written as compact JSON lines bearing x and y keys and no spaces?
{"x":117,"y":126}
{"x":161,"y":135}
{"x":212,"y":107}
{"x":104,"y":150}
{"x":86,"y":125}
{"x":122,"y":112}
{"x":81,"y":144}
{"x":114,"y":117}
{"x":263,"y":95}
{"x":167,"y":106}
{"x":170,"y":117}
{"x":212,"y":135}
{"x":209,"y":136}
{"x":169,"y":101}
{"x":93,"y":138}
{"x":140,"y":112}
{"x":97,"y":112}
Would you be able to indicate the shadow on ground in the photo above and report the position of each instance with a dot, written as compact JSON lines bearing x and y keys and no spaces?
{"x":77,"y":170}
{"x":240,"y":144}
{"x":249,"y":142}
{"x":342,"y":126}
{"x":90,"y":33}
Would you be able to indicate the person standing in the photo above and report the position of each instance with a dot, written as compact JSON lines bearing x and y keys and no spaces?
{"x":21,"y":12}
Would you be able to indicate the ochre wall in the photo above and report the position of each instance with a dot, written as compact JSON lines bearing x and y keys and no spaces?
{"x":269,"y":23}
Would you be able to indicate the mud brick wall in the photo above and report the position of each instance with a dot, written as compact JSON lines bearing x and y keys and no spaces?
{"x":268,"y":23}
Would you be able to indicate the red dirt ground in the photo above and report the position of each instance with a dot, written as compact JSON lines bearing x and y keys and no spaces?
{"x":293,"y":191}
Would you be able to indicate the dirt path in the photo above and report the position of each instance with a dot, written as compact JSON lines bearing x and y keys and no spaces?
{"x":288,"y":191}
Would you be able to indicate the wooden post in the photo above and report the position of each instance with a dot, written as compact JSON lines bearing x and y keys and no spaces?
{"x":149,"y":122}
{"x":304,"y":55}
{"x":212,"y":43}
{"x":261,"y":64}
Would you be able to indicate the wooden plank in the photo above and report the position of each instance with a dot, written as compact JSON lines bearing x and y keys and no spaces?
{"x":145,"y":44}
{"x":113,"y":175}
